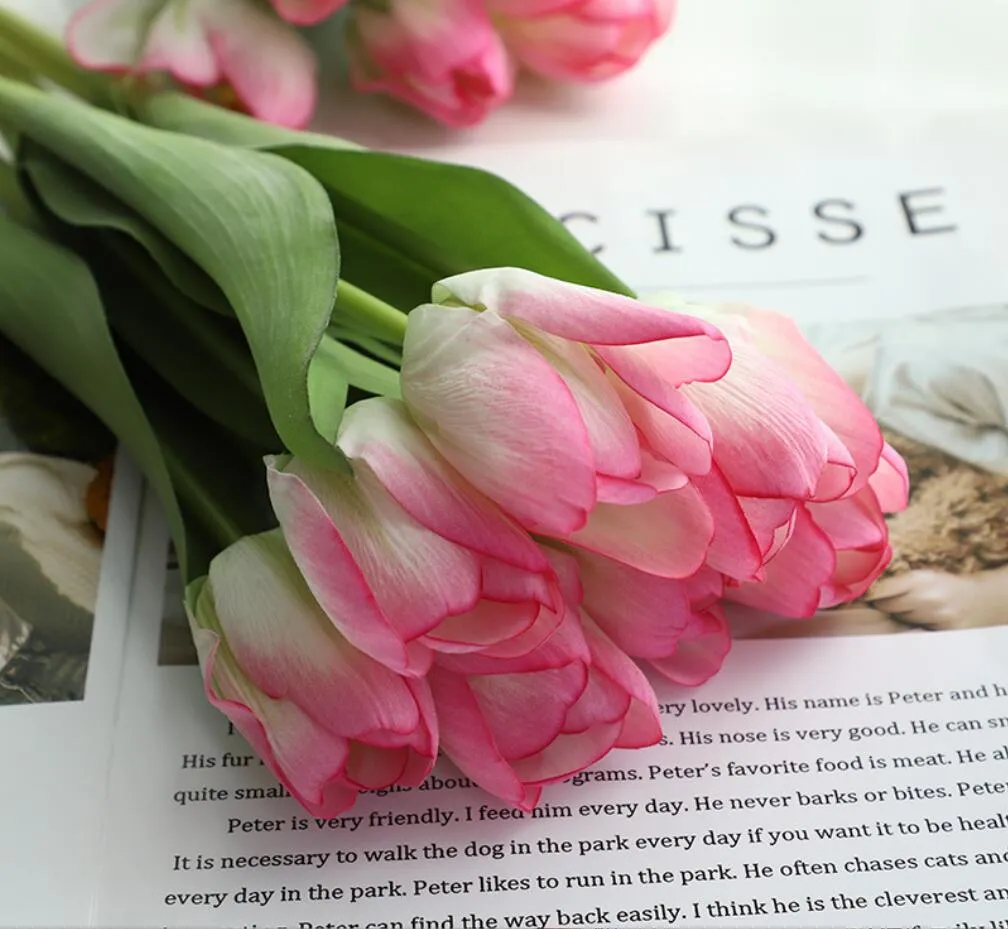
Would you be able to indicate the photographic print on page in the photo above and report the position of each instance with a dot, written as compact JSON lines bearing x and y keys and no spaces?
{"x":829,"y":775}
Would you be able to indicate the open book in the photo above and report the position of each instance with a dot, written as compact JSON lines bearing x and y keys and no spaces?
{"x":851,"y":769}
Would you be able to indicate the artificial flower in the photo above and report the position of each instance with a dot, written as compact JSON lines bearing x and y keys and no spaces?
{"x":206,"y":45}
{"x":798,"y":454}
{"x":327,"y":720}
{"x":404,"y":555}
{"x":581,"y":40}
{"x":519,"y":381}
{"x":442,"y":56}
{"x":514,"y":725}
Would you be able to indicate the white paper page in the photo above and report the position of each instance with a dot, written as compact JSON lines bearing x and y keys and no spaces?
{"x":57,"y":743}
{"x":840,"y":780}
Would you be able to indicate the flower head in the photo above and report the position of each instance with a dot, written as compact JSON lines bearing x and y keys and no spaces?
{"x":328,"y":720}
{"x":581,"y":40}
{"x":442,"y":56}
{"x":206,"y":45}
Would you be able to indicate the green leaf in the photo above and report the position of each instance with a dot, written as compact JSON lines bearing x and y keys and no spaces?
{"x":51,"y":309}
{"x":78,"y":201}
{"x":261,"y":227}
{"x":191,"y":350}
{"x":407,"y":222}
{"x":360,"y":371}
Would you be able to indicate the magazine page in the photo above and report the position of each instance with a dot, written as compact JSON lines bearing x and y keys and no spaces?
{"x":849,"y":769}
{"x":69,"y":510}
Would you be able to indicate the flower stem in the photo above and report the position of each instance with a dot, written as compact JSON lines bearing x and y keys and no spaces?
{"x":28,"y":50}
{"x":377,"y":318}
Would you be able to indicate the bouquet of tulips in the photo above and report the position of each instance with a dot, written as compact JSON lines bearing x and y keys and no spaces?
{"x":437,"y":480}
{"x":456,"y":60}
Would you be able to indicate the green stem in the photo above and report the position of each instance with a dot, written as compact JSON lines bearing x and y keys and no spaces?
{"x":26,"y":48}
{"x":354,"y":305}
{"x":359,"y":370}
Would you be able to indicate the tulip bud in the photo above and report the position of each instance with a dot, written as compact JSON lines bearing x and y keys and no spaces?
{"x":441,"y":56}
{"x":327,"y":720}
{"x":207,"y":45}
{"x":581,"y":40}
{"x":404,"y":555}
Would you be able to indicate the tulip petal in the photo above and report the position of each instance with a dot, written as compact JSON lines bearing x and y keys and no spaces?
{"x":768,"y":440}
{"x":643,"y":614}
{"x":570,"y":311}
{"x":288,"y":649}
{"x":381,"y":432}
{"x":305,"y":758}
{"x":701,"y":650}
{"x":488,"y":623}
{"x":526,"y":712}
{"x":668,"y":536}
{"x":891,"y":481}
{"x":677,"y":431}
{"x":843,"y":411}
{"x":795,"y":575}
{"x":640,"y":720}
{"x":495,"y":408}
{"x":610,"y":432}
{"x":383,"y":579}
{"x":177,"y":41}
{"x":307,"y":12}
{"x":568,"y":754}
{"x":109,"y":35}
{"x":734,"y":550}
{"x":270,"y":66}
{"x":771,"y":521}
{"x":468,"y":741}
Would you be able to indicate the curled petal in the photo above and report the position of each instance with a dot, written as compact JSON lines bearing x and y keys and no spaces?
{"x":286,"y":646}
{"x":382,"y":578}
{"x":734,"y":550}
{"x":891,"y":481}
{"x":768,"y":440}
{"x":668,"y":536}
{"x":381,"y":432}
{"x":700,"y":651}
{"x":468,"y":740}
{"x":794,"y":577}
{"x":496,"y":409}
{"x":570,"y":311}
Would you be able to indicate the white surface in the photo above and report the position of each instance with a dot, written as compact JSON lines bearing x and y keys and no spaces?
{"x":862,"y":74}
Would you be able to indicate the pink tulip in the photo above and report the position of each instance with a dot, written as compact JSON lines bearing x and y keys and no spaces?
{"x":514,"y":725}
{"x":327,"y":720}
{"x":203,"y":44}
{"x":675,"y":625}
{"x":562,"y":404}
{"x":806,"y":464}
{"x":441,"y":56}
{"x":405,"y":557}
{"x":581,"y":40}
{"x":307,"y":12}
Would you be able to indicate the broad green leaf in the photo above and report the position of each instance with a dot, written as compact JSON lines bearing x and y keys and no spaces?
{"x":78,"y":201}
{"x":50,"y":307}
{"x":257,"y":224}
{"x":189,"y":348}
{"x":444,"y":219}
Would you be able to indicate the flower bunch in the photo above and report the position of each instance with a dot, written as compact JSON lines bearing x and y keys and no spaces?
{"x":572,"y":480}
{"x":456,"y":60}
{"x":435,"y":484}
